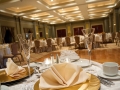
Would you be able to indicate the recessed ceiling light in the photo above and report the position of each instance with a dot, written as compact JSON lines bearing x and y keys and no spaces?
{"x":52,"y":0}
{"x":18,"y":8}
{"x":37,"y":11}
{"x":76,"y":11}
{"x":39,"y":2}
{"x":91,"y":9}
{"x":91,"y":14}
{"x":2,"y":11}
{"x":51,"y":16}
{"x":111,"y":6}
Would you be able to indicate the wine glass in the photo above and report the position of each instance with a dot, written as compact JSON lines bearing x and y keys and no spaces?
{"x":26,"y":46}
{"x":88,"y":37}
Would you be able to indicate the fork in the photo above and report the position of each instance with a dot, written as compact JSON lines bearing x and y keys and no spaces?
{"x":105,"y":82}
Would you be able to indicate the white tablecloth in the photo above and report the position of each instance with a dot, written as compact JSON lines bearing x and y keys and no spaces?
{"x":42,"y":43}
{"x":29,"y":82}
{"x":4,"y":50}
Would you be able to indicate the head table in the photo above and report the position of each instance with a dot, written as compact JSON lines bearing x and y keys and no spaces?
{"x":28,"y":83}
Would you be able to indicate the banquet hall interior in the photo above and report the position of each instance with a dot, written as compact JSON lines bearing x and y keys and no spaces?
{"x":58,"y":20}
{"x":36,"y":35}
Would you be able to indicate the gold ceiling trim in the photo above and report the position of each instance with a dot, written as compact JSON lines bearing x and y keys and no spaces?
{"x":21,"y":9}
{"x":56,"y":2}
{"x":101,"y":4}
{"x":69,"y":9}
{"x":43,"y":14}
{"x":7,"y":1}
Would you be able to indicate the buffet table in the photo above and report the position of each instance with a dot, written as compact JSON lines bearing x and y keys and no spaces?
{"x":28,"y":83}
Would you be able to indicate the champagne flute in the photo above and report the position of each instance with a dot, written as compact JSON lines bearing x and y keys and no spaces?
{"x":88,"y":35}
{"x":26,"y":46}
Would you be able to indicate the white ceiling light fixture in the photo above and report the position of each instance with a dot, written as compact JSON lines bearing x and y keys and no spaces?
{"x":52,"y":0}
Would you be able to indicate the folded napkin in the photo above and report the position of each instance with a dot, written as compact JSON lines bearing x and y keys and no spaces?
{"x":68,"y":52}
{"x":12,"y":69}
{"x":62,"y":75}
{"x":72,"y":55}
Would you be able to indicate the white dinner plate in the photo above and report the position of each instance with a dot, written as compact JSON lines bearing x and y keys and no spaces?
{"x":82,"y":62}
{"x":70,"y":57}
{"x":3,"y":87}
{"x":101,"y":74}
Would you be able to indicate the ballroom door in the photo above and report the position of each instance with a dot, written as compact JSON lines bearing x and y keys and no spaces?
{"x":61,"y":33}
{"x":98,"y":28}
{"x":78,"y":31}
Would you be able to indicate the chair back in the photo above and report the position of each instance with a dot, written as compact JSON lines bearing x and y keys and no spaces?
{"x":113,"y":36}
{"x":77,"y":39}
{"x":37,"y":43}
{"x":104,"y":37}
{"x":67,"y":39}
{"x":14,"y":48}
{"x":93,"y":38}
{"x":49,"y":42}
{"x":59,"y":41}
{"x":118,"y":35}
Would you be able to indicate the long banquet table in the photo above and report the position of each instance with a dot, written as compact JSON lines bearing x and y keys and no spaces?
{"x":28,"y":83}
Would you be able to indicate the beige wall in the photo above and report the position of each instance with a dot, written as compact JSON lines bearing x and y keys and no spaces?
{"x":97,"y":22}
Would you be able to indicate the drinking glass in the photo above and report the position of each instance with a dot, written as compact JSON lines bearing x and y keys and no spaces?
{"x":26,"y":46}
{"x":88,"y":35}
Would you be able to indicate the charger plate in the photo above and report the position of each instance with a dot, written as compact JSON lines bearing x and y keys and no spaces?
{"x":93,"y":84}
{"x":4,"y":78}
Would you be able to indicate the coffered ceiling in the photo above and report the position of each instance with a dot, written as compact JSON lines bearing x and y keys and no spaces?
{"x":58,"y":11}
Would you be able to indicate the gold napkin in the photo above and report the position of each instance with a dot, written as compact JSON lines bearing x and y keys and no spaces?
{"x":62,"y":75}
{"x":12,"y":69}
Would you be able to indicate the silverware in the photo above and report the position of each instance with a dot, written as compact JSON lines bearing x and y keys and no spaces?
{"x":105,"y":82}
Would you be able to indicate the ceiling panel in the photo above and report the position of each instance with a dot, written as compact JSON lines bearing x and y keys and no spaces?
{"x":43,"y":14}
{"x":21,"y":9}
{"x":8,"y":1}
{"x":101,"y":4}
{"x":56,"y":2}
{"x":69,"y":9}
{"x":58,"y":11}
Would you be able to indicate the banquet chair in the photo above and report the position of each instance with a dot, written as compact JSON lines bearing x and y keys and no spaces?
{"x":15,"y":53}
{"x":38,"y":48}
{"x":113,"y":37}
{"x":118,"y":38}
{"x":77,"y":42}
{"x":51,"y":46}
{"x":104,"y":40}
{"x":69,"y":43}
{"x":59,"y":42}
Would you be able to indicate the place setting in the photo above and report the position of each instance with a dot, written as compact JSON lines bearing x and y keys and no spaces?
{"x":110,"y":71}
{"x":56,"y":78}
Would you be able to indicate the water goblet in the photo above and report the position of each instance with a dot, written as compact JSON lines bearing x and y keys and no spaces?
{"x":26,"y":46}
{"x":88,"y":37}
